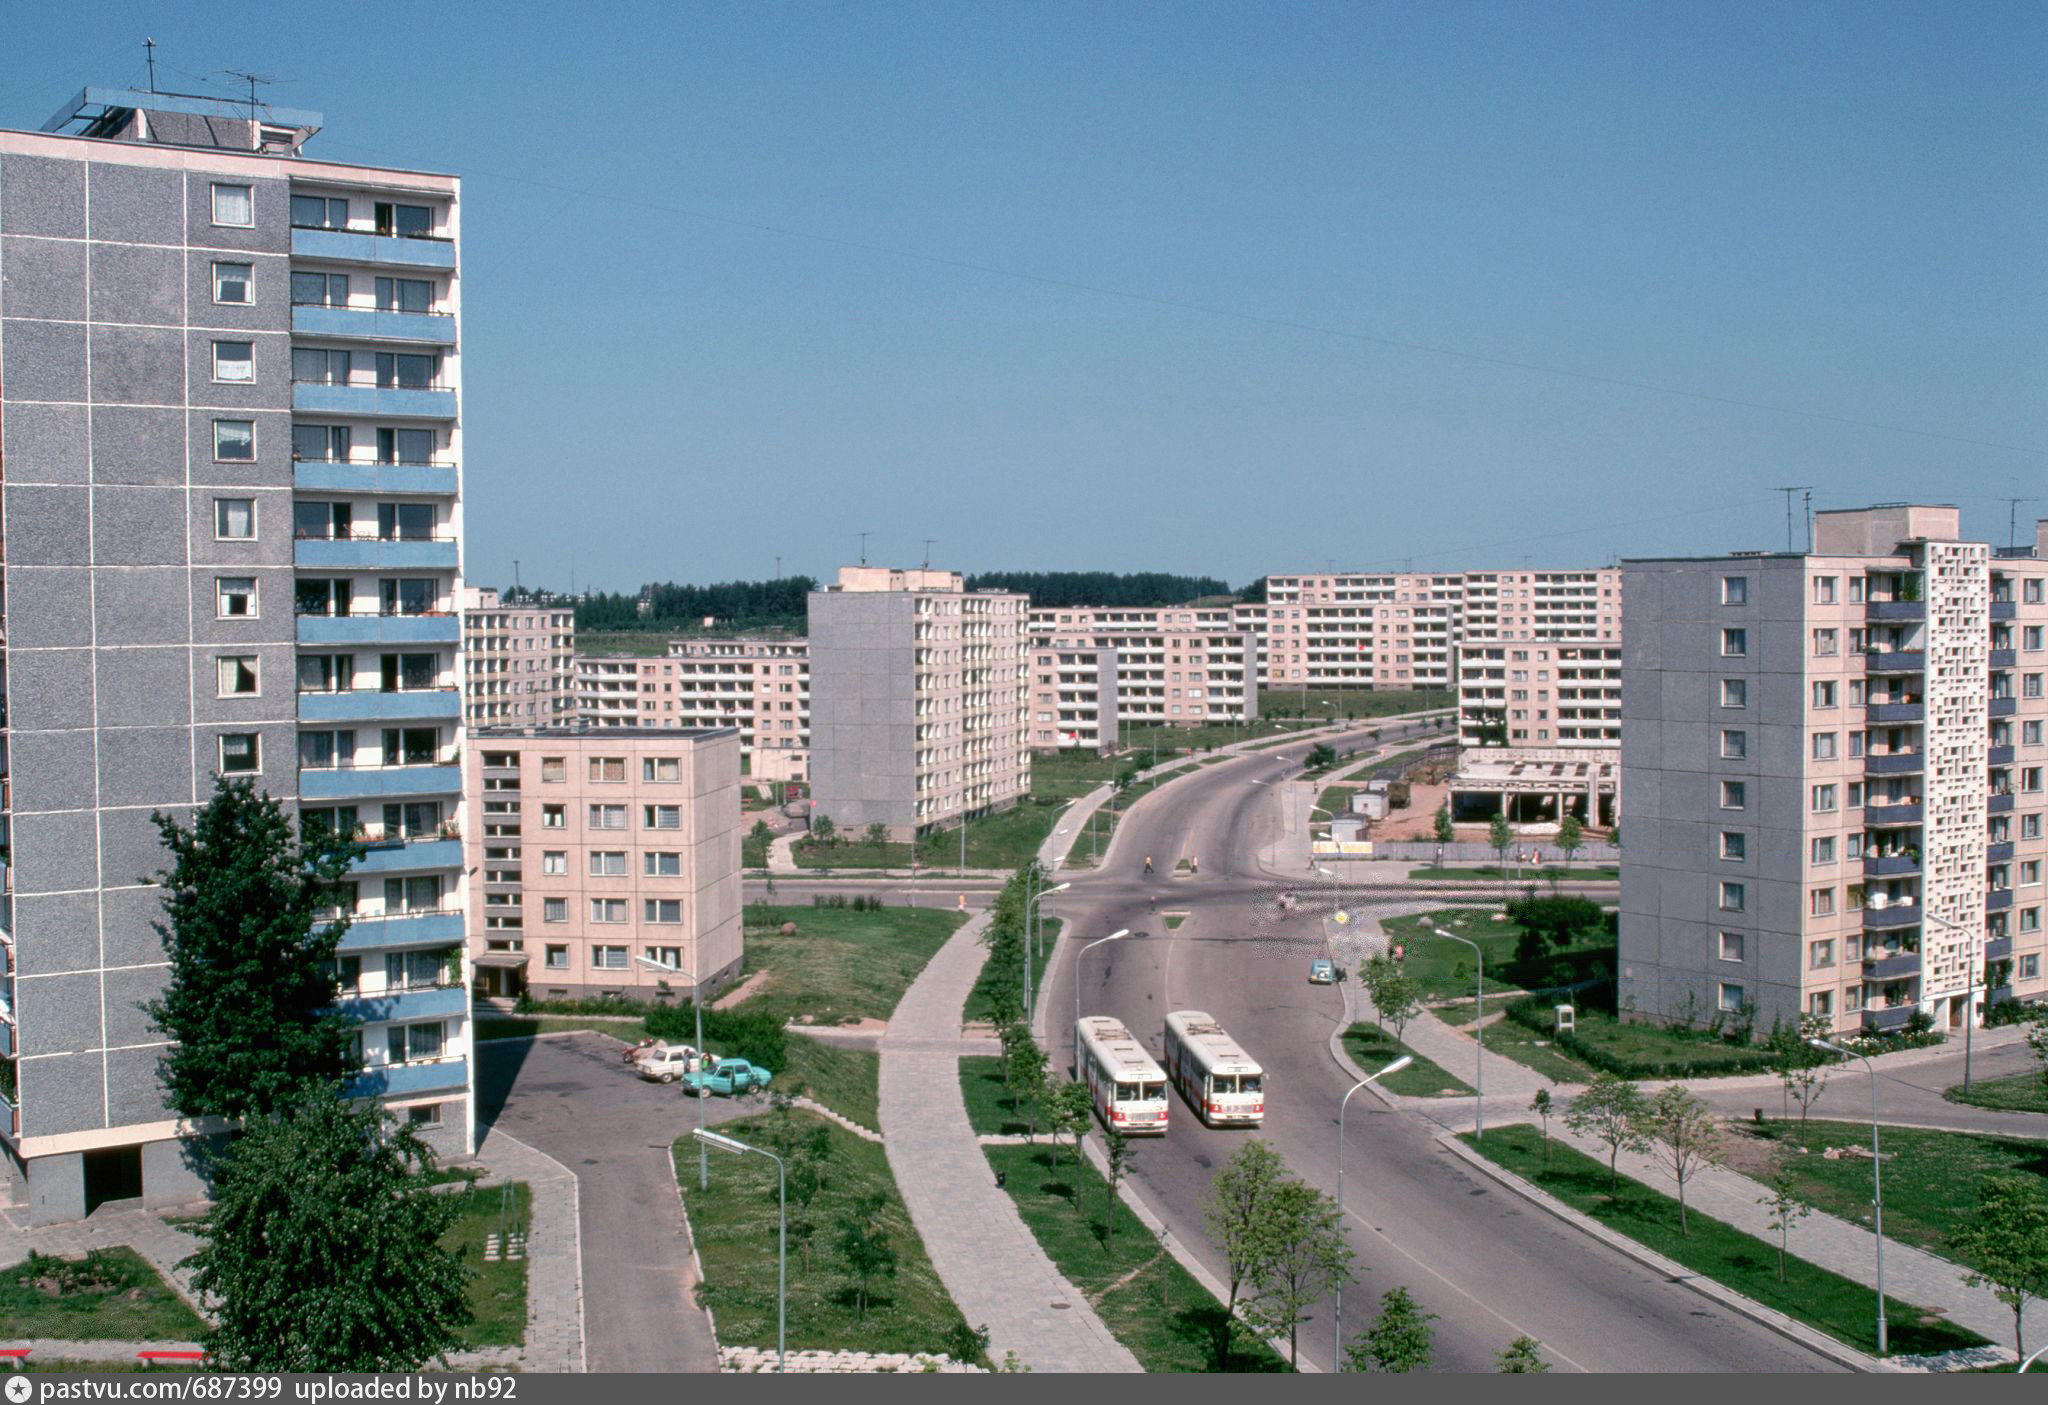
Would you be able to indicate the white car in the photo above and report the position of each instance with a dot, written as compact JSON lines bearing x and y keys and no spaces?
{"x":665,"y":1063}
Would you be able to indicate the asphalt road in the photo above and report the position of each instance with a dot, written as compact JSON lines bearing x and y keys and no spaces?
{"x":1490,"y":1265}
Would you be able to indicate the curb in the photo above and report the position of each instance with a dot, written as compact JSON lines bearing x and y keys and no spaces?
{"x":696,"y":1264}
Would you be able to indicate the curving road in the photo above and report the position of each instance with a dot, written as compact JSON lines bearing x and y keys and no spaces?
{"x":1490,"y":1265}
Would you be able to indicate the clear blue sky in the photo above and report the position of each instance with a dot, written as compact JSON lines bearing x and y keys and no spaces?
{"x":1146,"y":286}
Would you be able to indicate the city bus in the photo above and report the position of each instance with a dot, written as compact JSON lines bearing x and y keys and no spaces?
{"x":1222,"y":1083}
{"x":1127,"y":1088}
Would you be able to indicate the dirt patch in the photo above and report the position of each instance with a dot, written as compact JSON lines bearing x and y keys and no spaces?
{"x":752,"y":985}
{"x":1748,"y":1153}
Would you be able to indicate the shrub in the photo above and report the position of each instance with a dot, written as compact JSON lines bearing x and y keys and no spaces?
{"x":1537,"y":1015}
{"x":757,"y":1038}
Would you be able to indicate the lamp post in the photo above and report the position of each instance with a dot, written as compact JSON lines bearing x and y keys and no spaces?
{"x":1031,"y":907}
{"x":1478,"y":1031}
{"x":697,"y":1007}
{"x":740,"y":1148}
{"x":1113,"y":936}
{"x":1876,"y":1180}
{"x":1395,"y":1067}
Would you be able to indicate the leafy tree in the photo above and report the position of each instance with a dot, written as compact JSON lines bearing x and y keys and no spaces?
{"x":1236,"y":1209}
{"x":1374,"y":976}
{"x":1399,"y":997}
{"x":1541,"y":1105}
{"x":1321,"y":755}
{"x":1610,"y":1110}
{"x":1116,"y":1149}
{"x":1445,"y":833}
{"x":1802,"y":1068}
{"x":1305,"y":1256}
{"x":1519,"y":1357}
{"x":864,"y":1245}
{"x":1788,"y":1207}
{"x":249,"y":930}
{"x":2037,"y":1044}
{"x":1027,"y":1081}
{"x":1067,"y":1113}
{"x":1686,"y":1136}
{"x":1571,"y":837}
{"x":761,"y":833}
{"x":1059,"y":590}
{"x":1399,"y":1341}
{"x":1552,"y":922}
{"x":323,"y":1249}
{"x":876,"y":835}
{"x":2006,"y":1238}
{"x":823,"y":831}
{"x":1502,"y":837}
{"x":1012,"y":1038}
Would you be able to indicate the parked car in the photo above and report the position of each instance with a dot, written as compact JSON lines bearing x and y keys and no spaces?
{"x":665,"y":1063}
{"x":1322,"y":971}
{"x":726,"y":1078}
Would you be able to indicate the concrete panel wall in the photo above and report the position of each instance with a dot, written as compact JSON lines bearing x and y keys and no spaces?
{"x":863,"y":712}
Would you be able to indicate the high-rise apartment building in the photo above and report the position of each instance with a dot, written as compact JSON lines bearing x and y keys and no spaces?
{"x":919,"y":699}
{"x":1833,"y":776}
{"x":1073,"y":696}
{"x":519,"y":662}
{"x":592,"y":848}
{"x":624,"y":690}
{"x":229,"y":449}
{"x":761,"y":685}
{"x":1539,"y":727}
{"x":1175,"y":666}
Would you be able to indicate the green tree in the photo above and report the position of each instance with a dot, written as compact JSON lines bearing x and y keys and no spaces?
{"x":1399,"y":997}
{"x":876,"y":836}
{"x":250,"y":929}
{"x":1012,"y":1039}
{"x":1520,"y":1357}
{"x":1305,"y":1256}
{"x":323,"y":1249}
{"x":1398,"y":1342}
{"x":1445,"y":833}
{"x":1502,"y":837}
{"x":864,"y":1245}
{"x":823,"y":831}
{"x":1373,"y":976}
{"x":1686,"y":1136}
{"x":1116,"y":1154}
{"x":2037,"y":1044}
{"x":1067,"y":1113}
{"x":2005,"y":1238}
{"x":761,"y":834}
{"x":1542,"y":1106}
{"x":1610,"y":1110}
{"x":1801,"y":1068}
{"x":1571,"y":837}
{"x":1320,"y":756}
{"x":1027,"y":1082}
{"x":1236,"y":1210}
{"x":1788,"y":1207}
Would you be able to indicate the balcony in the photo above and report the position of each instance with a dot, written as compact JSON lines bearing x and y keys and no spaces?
{"x":406,"y":929}
{"x":380,"y":782}
{"x":1888,"y":1017}
{"x":380,"y":629}
{"x":383,"y":250}
{"x":374,"y":324}
{"x":404,"y":1080}
{"x":1891,"y":917}
{"x":382,"y":401}
{"x":1890,"y":865}
{"x":349,"y":476}
{"x":1998,"y":756}
{"x":6,"y":1039}
{"x":2003,"y":609}
{"x":1998,"y":900}
{"x":1892,"y":763}
{"x":2002,"y":707}
{"x":401,"y":856}
{"x":1895,"y":661}
{"x":375,"y":553}
{"x":1892,"y":966}
{"x":446,"y":1002}
{"x":1998,"y":853}
{"x":1997,"y":995}
{"x":2002,"y":658}
{"x":1999,"y":804}
{"x":1876,"y":814}
{"x":1896,"y":712}
{"x":1998,"y":949}
{"x":371,"y":705}
{"x":1896,"y":610}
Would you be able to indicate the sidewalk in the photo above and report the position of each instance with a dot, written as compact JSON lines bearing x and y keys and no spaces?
{"x":985,"y":1255}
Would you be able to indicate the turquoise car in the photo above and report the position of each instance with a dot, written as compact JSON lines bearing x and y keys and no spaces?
{"x":726,"y":1078}
{"x":1322,"y":971}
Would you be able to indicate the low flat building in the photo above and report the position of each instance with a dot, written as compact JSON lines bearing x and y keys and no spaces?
{"x":518,"y":662}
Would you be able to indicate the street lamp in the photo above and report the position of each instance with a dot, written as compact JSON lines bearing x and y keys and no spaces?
{"x":697,"y":1005}
{"x":740,"y":1148}
{"x":1478,"y":1030}
{"x":1395,"y":1067}
{"x":1113,"y":936}
{"x":1032,"y":908}
{"x":1876,"y":1178}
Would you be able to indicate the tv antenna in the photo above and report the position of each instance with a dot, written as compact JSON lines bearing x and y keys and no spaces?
{"x":252,"y":79}
{"x":864,"y":547}
{"x":1806,"y":488}
{"x":149,"y":57}
{"x":515,"y":577}
{"x":928,"y":552}
{"x":2012,"y":521}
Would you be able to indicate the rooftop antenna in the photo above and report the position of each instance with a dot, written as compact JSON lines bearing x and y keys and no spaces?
{"x":1788,"y":492}
{"x":778,"y":568}
{"x":252,"y":79}
{"x":515,"y":576}
{"x":2012,"y":521}
{"x":1809,"y":521}
{"x":149,"y":54}
{"x":928,"y":552}
{"x":864,"y":547}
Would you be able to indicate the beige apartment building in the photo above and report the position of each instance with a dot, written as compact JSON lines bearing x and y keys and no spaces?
{"x":625,"y":690}
{"x":1175,"y":666}
{"x":589,"y":850}
{"x":761,"y":685}
{"x":518,"y":662}
{"x":920,"y":699}
{"x":1539,"y":724}
{"x":1835,"y":800}
{"x":1073,"y":696}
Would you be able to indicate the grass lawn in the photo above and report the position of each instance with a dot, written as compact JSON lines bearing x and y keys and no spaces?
{"x":1172,"y":920}
{"x":734,"y":1223}
{"x":1652,"y":1051}
{"x":988,"y":1102}
{"x":846,"y":1080}
{"x":841,"y":965}
{"x":2016,"y":1092}
{"x":753,"y":851}
{"x":1533,"y":1050}
{"x":1066,"y":775}
{"x":1749,"y":1265}
{"x":1006,"y":839}
{"x":1374,"y":1048}
{"x":524,"y":1026}
{"x":859,"y":854}
{"x":1930,"y":1178}
{"x":1583,"y":873}
{"x":1146,"y":1299}
{"x":1444,"y":968}
{"x":497,"y":1291}
{"x":111,"y":1295}
{"x":1323,"y":703}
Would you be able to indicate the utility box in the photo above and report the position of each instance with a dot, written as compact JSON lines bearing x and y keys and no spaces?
{"x":1565,"y":1019}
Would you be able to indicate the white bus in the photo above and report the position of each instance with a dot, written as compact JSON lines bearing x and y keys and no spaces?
{"x":1222,"y":1083}
{"x":1128,"y":1089}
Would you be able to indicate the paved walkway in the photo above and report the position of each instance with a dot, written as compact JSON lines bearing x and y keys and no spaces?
{"x":983,"y":1251}
{"x":554,"y":1253}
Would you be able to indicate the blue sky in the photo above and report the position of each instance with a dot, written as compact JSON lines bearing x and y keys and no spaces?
{"x":1224,"y":289}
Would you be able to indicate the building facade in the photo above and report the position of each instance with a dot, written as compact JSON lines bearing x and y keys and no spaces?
{"x":1073,"y":696}
{"x":920,"y":700}
{"x":519,"y":662}
{"x":760,"y":685}
{"x":230,"y":442}
{"x":1184,"y":666}
{"x":599,"y":856}
{"x":1539,"y":727}
{"x":1834,"y":765}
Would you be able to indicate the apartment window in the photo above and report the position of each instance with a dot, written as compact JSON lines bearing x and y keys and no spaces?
{"x":326,"y":751}
{"x":1857,"y":689}
{"x":2030,"y":733}
{"x":1734,"y":795}
{"x":408,"y":673}
{"x":1821,"y":1004}
{"x":1823,"y":590}
{"x":1731,"y":946}
{"x":2030,"y":967}
{"x":662,"y":865}
{"x":554,"y":910}
{"x":554,"y":863}
{"x":2032,"y":591}
{"x":556,"y":958}
{"x":1825,"y":798}
{"x":406,"y":221}
{"x":1821,"y":902}
{"x":319,"y":212}
{"x":2030,"y":871}
{"x":1827,"y":642}
{"x":554,"y":768}
{"x":2030,"y":778}
{"x":414,"y":1043}
{"x":320,"y":290}
{"x":234,"y":519}
{"x":666,"y":912}
{"x":398,"y":370}
{"x":669,"y":956}
{"x":1824,"y":849}
{"x":661,"y":768}
{"x":662,"y":816}
{"x":1734,"y":590}
{"x":236,"y":675}
{"x":2030,"y":638}
{"x":1856,"y":590}
{"x":315,"y":365}
{"x":234,"y":597}
{"x":608,"y":769}
{"x":405,"y":295}
{"x":2030,"y":826}
{"x":234,"y":361}
{"x":240,"y":753}
{"x":553,"y":816}
{"x":607,"y":816}
{"x":234,"y":441}
{"x":233,"y":206}
{"x":1852,"y":998}
{"x":1734,"y":844}
{"x":1856,"y":795}
{"x":1733,"y":896}
{"x":1734,"y":643}
{"x":1734,"y":745}
{"x":2030,"y":685}
{"x":1820,"y":956}
{"x":1734,"y":692}
{"x":607,"y":863}
{"x":1731,"y":998}
{"x":608,"y":909}
{"x":1823,"y":746}
{"x":1824,"y":694}
{"x":412,"y":894}
{"x":326,"y":673}
{"x":1852,"y":950}
{"x":609,"y":958}
{"x":233,"y":283}
{"x":1855,"y":744}
{"x":424,"y":1115}
{"x":320,"y":443}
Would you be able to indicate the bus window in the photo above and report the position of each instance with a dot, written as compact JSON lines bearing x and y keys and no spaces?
{"x":1152,"y":1092}
{"x":1222,"y":1083}
{"x":1249,"y":1083}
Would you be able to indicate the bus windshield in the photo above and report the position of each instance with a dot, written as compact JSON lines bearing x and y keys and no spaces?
{"x":1249,"y":1083}
{"x":1140,"y":1092}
